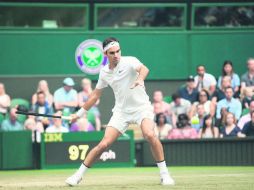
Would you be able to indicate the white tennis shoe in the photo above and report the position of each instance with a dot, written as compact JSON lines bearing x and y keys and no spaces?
{"x":166,"y":179}
{"x":73,"y":180}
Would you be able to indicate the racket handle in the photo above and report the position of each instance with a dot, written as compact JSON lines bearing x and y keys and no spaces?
{"x":66,"y":117}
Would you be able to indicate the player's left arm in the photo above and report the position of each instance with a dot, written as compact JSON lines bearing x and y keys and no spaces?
{"x":143,"y":72}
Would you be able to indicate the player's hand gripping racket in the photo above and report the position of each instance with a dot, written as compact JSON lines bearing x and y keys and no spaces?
{"x":23,"y":111}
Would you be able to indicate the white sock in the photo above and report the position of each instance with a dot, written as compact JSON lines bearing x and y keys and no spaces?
{"x":82,"y":169}
{"x":163,"y":167}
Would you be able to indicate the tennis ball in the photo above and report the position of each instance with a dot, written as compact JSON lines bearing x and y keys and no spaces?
{"x":195,"y":120}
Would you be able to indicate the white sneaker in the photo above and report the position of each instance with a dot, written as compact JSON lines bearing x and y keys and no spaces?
{"x":166,"y":179}
{"x":73,"y":180}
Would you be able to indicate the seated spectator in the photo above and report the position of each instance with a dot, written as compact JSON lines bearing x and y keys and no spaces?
{"x":248,"y":128}
{"x":5,"y":100}
{"x":247,"y":117}
{"x":159,"y":106}
{"x":162,"y":127}
{"x":227,"y":70}
{"x":221,"y":122}
{"x":203,"y":98}
{"x":36,"y":128}
{"x":204,"y":80}
{"x":189,"y":92}
{"x":41,"y":106}
{"x":82,"y":124}
{"x":197,"y":121}
{"x":247,"y":97}
{"x":247,"y":79}
{"x":183,"y":130}
{"x":43,"y":87}
{"x":208,"y":129}
{"x":231,"y":104}
{"x":83,"y":97}
{"x":66,"y":98}
{"x":11,"y":123}
{"x":230,"y":129}
{"x":179,"y":105}
{"x":220,"y":93}
{"x":57,"y":126}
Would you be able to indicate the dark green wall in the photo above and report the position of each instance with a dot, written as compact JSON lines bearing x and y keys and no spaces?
{"x":169,"y":55}
{"x":13,"y":153}
{"x":201,"y":152}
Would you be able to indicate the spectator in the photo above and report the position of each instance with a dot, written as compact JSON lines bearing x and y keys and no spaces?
{"x":204,"y":80}
{"x":220,"y":93}
{"x":203,"y":98}
{"x":41,"y":106}
{"x":183,"y":130}
{"x":162,"y":127}
{"x":221,"y":122}
{"x":83,"y":97}
{"x":247,"y":97}
{"x":159,"y":106}
{"x":230,"y":129}
{"x":66,"y":98}
{"x":36,"y":128}
{"x":197,"y":121}
{"x":43,"y":87}
{"x":57,"y":126}
{"x":231,"y":104}
{"x":208,"y":130}
{"x":179,"y":105}
{"x":227,"y":70}
{"x":247,"y":79}
{"x":189,"y":92}
{"x":11,"y":123}
{"x":82,"y":125}
{"x":5,"y":100}
{"x":246,"y":118}
{"x":248,"y":128}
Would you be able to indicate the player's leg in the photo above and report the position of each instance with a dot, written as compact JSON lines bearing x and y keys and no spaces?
{"x":147,"y":127}
{"x":111,"y":134}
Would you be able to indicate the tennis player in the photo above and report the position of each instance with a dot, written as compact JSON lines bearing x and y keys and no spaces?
{"x":125,"y":75}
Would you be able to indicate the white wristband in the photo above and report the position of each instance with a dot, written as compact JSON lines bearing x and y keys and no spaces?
{"x":81,"y":112}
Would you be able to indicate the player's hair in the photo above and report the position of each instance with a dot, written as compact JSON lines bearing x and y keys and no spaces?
{"x":108,"y":40}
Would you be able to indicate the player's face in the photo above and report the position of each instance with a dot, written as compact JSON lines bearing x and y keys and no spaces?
{"x":114,"y":55}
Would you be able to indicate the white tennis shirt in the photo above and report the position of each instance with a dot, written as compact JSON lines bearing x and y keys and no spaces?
{"x":120,"y":79}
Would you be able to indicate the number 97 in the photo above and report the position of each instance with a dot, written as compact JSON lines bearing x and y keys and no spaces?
{"x":79,"y":151}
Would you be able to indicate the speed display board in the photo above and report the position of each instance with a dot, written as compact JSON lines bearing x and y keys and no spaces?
{"x":68,"y":150}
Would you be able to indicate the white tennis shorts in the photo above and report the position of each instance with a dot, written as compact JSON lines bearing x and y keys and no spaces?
{"x":121,"y":120}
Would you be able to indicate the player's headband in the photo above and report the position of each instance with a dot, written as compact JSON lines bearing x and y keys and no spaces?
{"x":110,"y":45}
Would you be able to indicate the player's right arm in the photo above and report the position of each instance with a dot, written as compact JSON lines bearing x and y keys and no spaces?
{"x":92,"y":99}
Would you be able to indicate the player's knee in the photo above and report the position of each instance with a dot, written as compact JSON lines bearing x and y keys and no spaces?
{"x":103,"y":145}
{"x":150,"y":136}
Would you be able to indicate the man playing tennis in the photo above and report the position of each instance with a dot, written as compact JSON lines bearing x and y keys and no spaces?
{"x":125,"y":75}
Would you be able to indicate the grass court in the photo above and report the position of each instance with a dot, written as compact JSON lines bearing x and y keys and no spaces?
{"x":145,"y":178}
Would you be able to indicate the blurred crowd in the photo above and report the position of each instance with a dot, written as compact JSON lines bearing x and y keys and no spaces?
{"x":208,"y":108}
{"x":203,"y":107}
{"x":63,"y":102}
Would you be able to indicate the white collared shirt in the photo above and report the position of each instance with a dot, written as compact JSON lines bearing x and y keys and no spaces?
{"x":120,"y":79}
{"x":208,"y":80}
